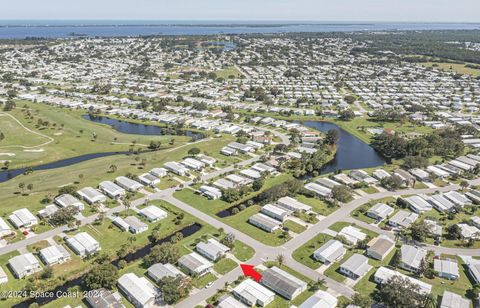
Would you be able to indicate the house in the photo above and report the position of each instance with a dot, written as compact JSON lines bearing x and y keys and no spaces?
{"x":380,"y":174}
{"x":253,"y":294}
{"x":159,"y":271}
{"x":159,"y":172}
{"x":283,"y":283}
{"x":128,"y":184}
{"x":446,"y":269}
{"x":440,"y":203}
{"x":23,"y":218}
{"x":4,"y":228}
{"x":103,"y":298}
{"x":227,"y":151}
{"x":224,"y":184}
{"x":345,"y":179}
{"x":473,"y":195}
{"x":361,"y":176}
{"x":264,"y":222}
{"x":55,"y":254}
{"x":68,"y":200}
{"x":24,"y":265}
{"x":383,"y":274}
{"x":330,"y":252}
{"x":469,"y":231}
{"x":402,"y":219}
{"x":210,"y":192}
{"x":111,"y":189}
{"x":457,"y":198}
{"x":434,"y":228}
{"x":207,"y":160}
{"x":138,"y":290}
{"x":119,"y":222}
{"x":320,"y":299}
{"x":135,"y":225}
{"x":355,"y":267}
{"x":475,"y":221}
{"x":274,"y":212}
{"x":83,"y":244}
{"x":380,"y":211}
{"x":406,"y":177}
{"x":238,"y":180}
{"x":474,"y":270}
{"x":319,"y":189}
{"x":380,"y":247}
{"x":411,"y":258}
{"x":153,"y":213}
{"x":3,"y":276}
{"x":420,"y":174}
{"x":327,"y":183}
{"x":243,"y":148}
{"x":176,"y":168}
{"x":418,"y":204}
{"x":91,"y":195}
{"x":260,"y":167}
{"x":48,"y":211}
{"x":251,"y":174}
{"x":293,"y":205}
{"x":352,"y":234}
{"x":193,"y":164}
{"x":195,"y":264}
{"x":212,"y":249}
{"x":148,"y":179}
{"x":228,"y":301}
{"x":453,"y":300}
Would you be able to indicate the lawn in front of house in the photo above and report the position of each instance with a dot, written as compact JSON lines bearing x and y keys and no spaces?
{"x":224,"y":266}
{"x":304,"y":254}
{"x":294,"y":226}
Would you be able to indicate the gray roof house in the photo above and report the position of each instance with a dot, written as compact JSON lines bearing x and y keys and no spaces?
{"x":138,"y":290}
{"x":212,"y":249}
{"x":453,"y":300}
{"x":23,"y":218}
{"x":195,"y":263}
{"x":379,"y":247}
{"x":148,"y":179}
{"x":320,"y":299}
{"x":83,"y":244}
{"x":159,"y":172}
{"x":153,"y":213}
{"x":4,"y":228}
{"x":274,"y":212}
{"x":128,"y":184}
{"x":55,"y":254}
{"x":91,"y":195}
{"x":474,"y":270}
{"x":411,"y":258}
{"x":383,"y":274}
{"x":283,"y":283}
{"x":176,"y":168}
{"x":380,"y":211}
{"x":329,"y":252}
{"x":48,"y":211}
{"x":135,"y":225}
{"x":159,"y":271}
{"x":356,"y":266}
{"x":111,"y":189}
{"x":24,"y":265}
{"x":292,"y":205}
{"x":252,"y":293}
{"x":264,"y":222}
{"x":403,"y":219}
{"x":67,"y":200}
{"x":103,"y":298}
{"x":446,"y":268}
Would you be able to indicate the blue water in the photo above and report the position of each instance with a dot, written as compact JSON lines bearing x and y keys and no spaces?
{"x":19,"y":29}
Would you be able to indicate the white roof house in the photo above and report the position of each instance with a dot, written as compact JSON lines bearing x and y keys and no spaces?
{"x":329,"y":252}
{"x":380,"y":211}
{"x":352,"y":234}
{"x":193,"y":164}
{"x":68,"y":200}
{"x":441,"y":203}
{"x":138,"y":290}
{"x":292,"y":205}
{"x":128,"y":184}
{"x":148,"y":179}
{"x":91,"y":195}
{"x":356,"y":266}
{"x":176,"y":168}
{"x":250,"y":173}
{"x":159,"y":271}
{"x":453,"y":300}
{"x":383,"y":274}
{"x":320,"y":299}
{"x":274,"y":212}
{"x":457,"y":198}
{"x":83,"y":244}
{"x":111,"y":189}
{"x":4,"y":228}
{"x":159,"y":172}
{"x":252,"y":293}
{"x":283,"y":283}
{"x":411,"y":258}
{"x":319,"y":189}
{"x":403,"y":219}
{"x":54,"y":254}
{"x":153,"y":213}
{"x":195,"y":263}
{"x":230,"y":302}
{"x":3,"y":276}
{"x":24,"y":265}
{"x":212,"y":249}
{"x":418,"y":204}
{"x":469,"y":231}
{"x":210,"y":192}
{"x":23,"y":218}
{"x":446,"y":268}
{"x":264,"y":222}
{"x":135,"y":225}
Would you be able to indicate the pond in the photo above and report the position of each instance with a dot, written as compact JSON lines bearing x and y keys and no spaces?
{"x":138,"y":129}
{"x":10,"y":174}
{"x":140,"y":253}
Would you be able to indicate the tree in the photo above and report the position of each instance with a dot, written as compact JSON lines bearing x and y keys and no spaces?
{"x":397,"y":258}
{"x":103,"y":275}
{"x":400,"y":292}
{"x":411,"y":162}
{"x":194,"y":151}
{"x":393,"y":182}
{"x":280,"y":259}
{"x":342,"y":193}
{"x":174,"y":288}
{"x":361,"y":300}
{"x":464,"y":184}
{"x":21,"y":185}
{"x":454,"y":232}
{"x":30,"y":187}
{"x":346,"y":115}
{"x":229,"y":240}
{"x":69,"y":189}
{"x":113,"y":168}
{"x":420,"y":231}
{"x":163,"y":253}
{"x":47,"y":273}
{"x":64,"y":215}
{"x":258,"y":184}
{"x":332,"y":137}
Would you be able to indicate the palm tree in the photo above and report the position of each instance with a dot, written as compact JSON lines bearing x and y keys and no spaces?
{"x":113,"y":168}
{"x":280,"y":259}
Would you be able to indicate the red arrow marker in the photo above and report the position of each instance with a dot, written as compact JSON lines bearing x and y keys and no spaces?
{"x":249,"y":271}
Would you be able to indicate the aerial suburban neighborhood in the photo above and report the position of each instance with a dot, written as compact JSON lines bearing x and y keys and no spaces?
{"x":317,"y":169}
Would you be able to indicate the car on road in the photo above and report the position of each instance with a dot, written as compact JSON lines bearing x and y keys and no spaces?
{"x":208,"y":285}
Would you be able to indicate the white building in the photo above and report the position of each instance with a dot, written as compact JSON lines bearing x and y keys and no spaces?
{"x":138,"y":290}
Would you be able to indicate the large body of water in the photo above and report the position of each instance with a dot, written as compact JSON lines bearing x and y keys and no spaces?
{"x":20,"y":29}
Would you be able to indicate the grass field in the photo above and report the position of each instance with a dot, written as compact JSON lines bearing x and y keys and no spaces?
{"x":16,"y":135}
{"x":305,"y":252}
{"x":456,"y":68}
{"x":227,"y":72}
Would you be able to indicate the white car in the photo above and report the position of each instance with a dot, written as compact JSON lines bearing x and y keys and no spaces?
{"x":209,"y":285}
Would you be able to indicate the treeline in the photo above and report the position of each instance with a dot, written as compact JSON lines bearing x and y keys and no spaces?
{"x":445,"y":143}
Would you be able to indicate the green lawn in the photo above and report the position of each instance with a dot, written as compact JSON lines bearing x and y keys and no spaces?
{"x":15,"y":135}
{"x":201,"y":282}
{"x":227,"y":72}
{"x":224,"y":266}
{"x":294,"y":227}
{"x":318,"y":206}
{"x":242,"y":251}
{"x":333,"y":271}
{"x":305,"y":252}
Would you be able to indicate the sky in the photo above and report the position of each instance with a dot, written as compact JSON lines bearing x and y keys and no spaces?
{"x":286,"y":10}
